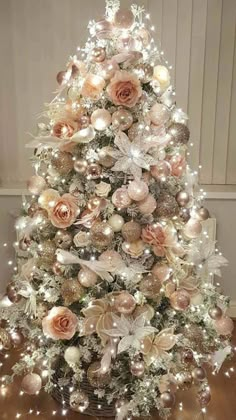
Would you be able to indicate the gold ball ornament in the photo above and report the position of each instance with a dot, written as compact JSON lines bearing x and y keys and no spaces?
{"x":122,"y":119}
{"x":47,"y":251}
{"x":36,"y":184}
{"x":80,"y":166}
{"x":125,"y":303}
{"x":138,"y":190}
{"x":100,"y":119}
{"x":167,"y":399}
{"x":182,"y":198}
{"x":87,"y":277}
{"x":116,"y":222}
{"x":180,"y":300}
{"x":105,"y":159}
{"x":96,"y":378}
{"x":179,"y":133}
{"x":31,"y":383}
{"x":150,"y":286}
{"x":79,"y":401}
{"x":187,"y":356}
{"x":192,"y":229}
{"x":58,"y":269}
{"x":159,"y":114}
{"x":5,"y":340}
{"x":137,"y":368}
{"x":63,"y":239}
{"x":71,"y":291}
{"x":199,"y":374}
{"x":98,"y":54}
{"x":203,"y":213}
{"x":224,"y":325}
{"x":17,"y":338}
{"x":94,"y":203}
{"x":148,"y":205}
{"x":94,"y":171}
{"x":131,"y":231}
{"x":215,"y":312}
{"x":166,"y":207}
{"x":123,"y":19}
{"x":62,"y":162}
{"x":101,"y":234}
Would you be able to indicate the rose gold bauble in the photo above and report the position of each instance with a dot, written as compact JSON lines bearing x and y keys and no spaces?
{"x":71,"y":291}
{"x":105,"y":159}
{"x":80,"y":166}
{"x":60,"y":76}
{"x":204,"y":397}
{"x":162,"y":271}
{"x":180,"y":300}
{"x":62,"y":162}
{"x":31,"y":383}
{"x":150,"y":286}
{"x":161,"y":170}
{"x":166,"y":206}
{"x":187,"y":356}
{"x":122,"y":119}
{"x":137,"y":368}
{"x":12,"y":293}
{"x":101,"y":234}
{"x":116,"y":222}
{"x":17,"y":338}
{"x":98,"y":54}
{"x":87,"y":277}
{"x":125,"y":303}
{"x":182,"y":198}
{"x":63,"y":239}
{"x":36,"y":184}
{"x":138,"y":190}
{"x":103,"y":29}
{"x":123,"y":19}
{"x":179,"y":133}
{"x":159,"y":114}
{"x":100,"y":119}
{"x":215,"y":312}
{"x":192,"y":229}
{"x":58,"y":269}
{"x":148,"y":205}
{"x":224,"y":325}
{"x":94,"y":171}
{"x":199,"y":374}
{"x":96,"y":378}
{"x":108,"y":69}
{"x":202,"y":213}
{"x":131,"y":231}
{"x":121,"y":198}
{"x":167,"y":399}
{"x":94,"y":203}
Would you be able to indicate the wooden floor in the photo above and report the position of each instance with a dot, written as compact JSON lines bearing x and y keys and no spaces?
{"x":222,"y":407}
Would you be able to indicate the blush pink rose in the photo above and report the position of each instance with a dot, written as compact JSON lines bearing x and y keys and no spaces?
{"x":64,"y":129}
{"x":124,"y":89}
{"x":60,"y":323}
{"x":93,"y":86}
{"x":64,"y":212}
{"x":178,"y":165}
{"x":162,"y":239}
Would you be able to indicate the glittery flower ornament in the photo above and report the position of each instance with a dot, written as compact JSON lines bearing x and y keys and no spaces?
{"x":163,"y":239}
{"x":124,"y":89}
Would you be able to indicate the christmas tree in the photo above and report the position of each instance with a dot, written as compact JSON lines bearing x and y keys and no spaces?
{"x":114,"y":293}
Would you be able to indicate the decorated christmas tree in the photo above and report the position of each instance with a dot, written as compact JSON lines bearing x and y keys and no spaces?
{"x":114,"y":294}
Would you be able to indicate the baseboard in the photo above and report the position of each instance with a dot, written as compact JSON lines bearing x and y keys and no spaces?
{"x":232,"y":309}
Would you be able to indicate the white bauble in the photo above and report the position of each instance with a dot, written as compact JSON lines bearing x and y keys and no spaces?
{"x":72,"y":355}
{"x":116,"y":222}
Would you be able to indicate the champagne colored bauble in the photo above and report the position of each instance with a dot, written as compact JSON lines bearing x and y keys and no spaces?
{"x":31,"y":383}
{"x":96,"y":378}
{"x":179,"y":133}
{"x":74,"y":93}
{"x":182,"y":198}
{"x":103,"y":29}
{"x":101,"y":234}
{"x":94,"y":203}
{"x":167,"y":399}
{"x":80,"y":166}
{"x":150,"y":286}
{"x":125,"y":303}
{"x":159,"y":114}
{"x":112,"y":257}
{"x":192,"y":229}
{"x":138,"y":190}
{"x":131,"y":231}
{"x":193,"y":333}
{"x":105,"y":159}
{"x":121,"y":198}
{"x":63,"y":162}
{"x":137,"y":368}
{"x":215,"y":312}
{"x":148,"y":205}
{"x":58,"y":269}
{"x":12,"y":293}
{"x":166,"y":207}
{"x":187,"y":356}
{"x":100,"y":119}
{"x":72,"y":355}
{"x":184,"y":214}
{"x":17,"y":338}
{"x":122,"y":119}
{"x":60,"y":76}
{"x":79,"y":401}
{"x":123,"y":19}
{"x":161,"y":170}
{"x":36,"y":184}
{"x":180,"y":300}
{"x":108,"y":69}
{"x":87,"y":277}
{"x":162,"y":271}
{"x":47,"y":250}
{"x":71,"y":291}
{"x":224,"y":325}
{"x":199,"y":374}
{"x":63,"y":239}
{"x":98,"y":54}
{"x":5,"y":340}
{"x":94,"y":171}
{"x":184,"y":379}
{"x":116,"y":222}
{"x":204,"y":397}
{"x":48,"y":198}
{"x":203,"y":213}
